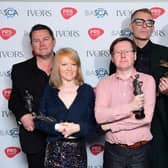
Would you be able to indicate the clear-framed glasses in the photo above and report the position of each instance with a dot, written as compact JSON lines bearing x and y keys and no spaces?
{"x":140,"y":22}
{"x":125,"y":52}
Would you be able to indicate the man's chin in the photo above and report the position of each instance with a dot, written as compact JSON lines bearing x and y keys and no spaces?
{"x":43,"y":56}
{"x":142,"y":38}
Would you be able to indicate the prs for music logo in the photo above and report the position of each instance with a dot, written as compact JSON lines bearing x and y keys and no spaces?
{"x":6,"y":93}
{"x":7,"y":33}
{"x":12,"y":151}
{"x":157,"y":11}
{"x":96,"y":149}
{"x":68,"y":12}
{"x":94,"y":33}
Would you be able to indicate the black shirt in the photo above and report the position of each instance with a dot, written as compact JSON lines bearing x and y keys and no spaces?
{"x":142,"y":63}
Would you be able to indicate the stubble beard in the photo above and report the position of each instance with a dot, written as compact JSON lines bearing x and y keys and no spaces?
{"x":44,"y":57}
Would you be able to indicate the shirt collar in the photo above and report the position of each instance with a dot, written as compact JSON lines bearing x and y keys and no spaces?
{"x":132,"y":75}
{"x":146,"y":47}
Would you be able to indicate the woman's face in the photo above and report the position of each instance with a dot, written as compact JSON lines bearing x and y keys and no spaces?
{"x":68,"y":69}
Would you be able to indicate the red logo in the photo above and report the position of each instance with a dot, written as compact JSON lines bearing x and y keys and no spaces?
{"x":96,"y":149}
{"x":94,"y":33}
{"x":12,"y":151}
{"x":6,"y":33}
{"x":68,"y":12}
{"x":6,"y":93}
{"x":156,"y":12}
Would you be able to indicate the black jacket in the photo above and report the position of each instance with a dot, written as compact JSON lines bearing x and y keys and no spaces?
{"x":27,"y":76}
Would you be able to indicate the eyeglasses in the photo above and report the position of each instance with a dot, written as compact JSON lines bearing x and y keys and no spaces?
{"x":140,"y":22}
{"x":125,"y":52}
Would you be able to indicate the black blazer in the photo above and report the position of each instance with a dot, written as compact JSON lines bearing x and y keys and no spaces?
{"x":27,"y":76}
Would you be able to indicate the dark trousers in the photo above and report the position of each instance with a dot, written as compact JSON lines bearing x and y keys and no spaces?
{"x":116,"y":156}
{"x":36,"y":160}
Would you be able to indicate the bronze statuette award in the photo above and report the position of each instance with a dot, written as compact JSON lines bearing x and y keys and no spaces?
{"x":137,"y":91}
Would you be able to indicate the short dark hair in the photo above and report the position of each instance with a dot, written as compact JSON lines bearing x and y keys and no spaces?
{"x":120,"y":39}
{"x":144,"y":10}
{"x":41,"y":27}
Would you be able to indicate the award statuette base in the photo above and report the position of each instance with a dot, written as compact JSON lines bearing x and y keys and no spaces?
{"x":139,"y":115}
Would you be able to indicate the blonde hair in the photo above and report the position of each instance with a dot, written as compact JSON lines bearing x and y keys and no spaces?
{"x":55,"y":78}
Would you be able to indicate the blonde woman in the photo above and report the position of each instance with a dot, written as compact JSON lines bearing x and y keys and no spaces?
{"x":70,"y":102}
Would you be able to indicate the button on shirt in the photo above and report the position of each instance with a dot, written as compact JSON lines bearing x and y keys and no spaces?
{"x":113,"y":95}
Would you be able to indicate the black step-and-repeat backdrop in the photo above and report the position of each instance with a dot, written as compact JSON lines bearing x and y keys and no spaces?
{"x":87,"y":27}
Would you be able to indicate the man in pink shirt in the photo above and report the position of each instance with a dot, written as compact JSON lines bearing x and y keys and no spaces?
{"x":127,"y":136}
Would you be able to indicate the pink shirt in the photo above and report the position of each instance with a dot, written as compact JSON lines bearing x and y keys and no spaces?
{"x":112,"y":106}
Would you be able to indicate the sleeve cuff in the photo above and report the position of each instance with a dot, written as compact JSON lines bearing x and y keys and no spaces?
{"x":56,"y":127}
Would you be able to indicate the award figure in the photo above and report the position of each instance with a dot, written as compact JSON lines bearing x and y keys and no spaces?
{"x":164,"y":65}
{"x":29,"y":106}
{"x":137,"y":91}
{"x":28,"y":101}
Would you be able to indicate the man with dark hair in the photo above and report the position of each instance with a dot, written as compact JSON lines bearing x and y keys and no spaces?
{"x":121,"y":101}
{"x":28,"y":81}
{"x":149,"y":57}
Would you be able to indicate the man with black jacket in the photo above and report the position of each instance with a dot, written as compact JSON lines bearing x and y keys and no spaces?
{"x":149,"y":56}
{"x":28,"y":81}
